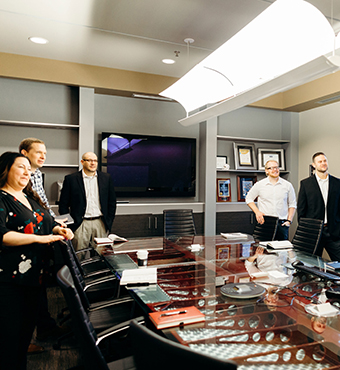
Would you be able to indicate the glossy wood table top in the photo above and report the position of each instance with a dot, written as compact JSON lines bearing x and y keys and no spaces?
{"x":263,"y":332}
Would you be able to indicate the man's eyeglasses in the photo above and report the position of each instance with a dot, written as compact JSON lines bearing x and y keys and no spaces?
{"x":273,"y":168}
{"x":90,"y":160}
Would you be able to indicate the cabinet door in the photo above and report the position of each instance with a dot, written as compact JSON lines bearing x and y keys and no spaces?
{"x":131,"y":226}
{"x":229,"y":222}
{"x":138,"y":226}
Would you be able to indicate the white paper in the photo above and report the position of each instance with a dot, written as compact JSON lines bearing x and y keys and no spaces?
{"x":234,"y":235}
{"x":139,"y":276}
{"x":277,"y":274}
{"x":116,"y":238}
{"x":324,"y":310}
{"x":278,"y":244}
{"x":195,"y":247}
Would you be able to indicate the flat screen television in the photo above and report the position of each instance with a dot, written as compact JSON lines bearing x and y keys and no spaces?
{"x":150,"y":166}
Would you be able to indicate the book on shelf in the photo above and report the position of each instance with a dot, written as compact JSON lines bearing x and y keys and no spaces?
{"x":277,"y":244}
{"x":177,"y":317}
{"x":111,"y":239}
{"x":234,"y":236}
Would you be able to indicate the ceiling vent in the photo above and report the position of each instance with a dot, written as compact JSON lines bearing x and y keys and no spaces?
{"x":329,"y":100}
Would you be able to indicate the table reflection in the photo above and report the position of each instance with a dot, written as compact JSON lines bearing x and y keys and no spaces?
{"x":264,"y":332}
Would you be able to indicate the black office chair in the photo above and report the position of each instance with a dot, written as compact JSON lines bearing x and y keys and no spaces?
{"x":105,"y":313}
{"x":267,"y":230}
{"x":100,"y":284}
{"x":88,"y":339}
{"x":153,"y":352}
{"x":98,"y":297}
{"x":178,"y":222}
{"x":307,"y":235}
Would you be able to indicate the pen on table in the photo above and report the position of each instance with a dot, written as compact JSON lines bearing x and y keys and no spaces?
{"x":173,"y":313}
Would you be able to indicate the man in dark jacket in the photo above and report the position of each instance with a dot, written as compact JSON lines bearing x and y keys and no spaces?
{"x":89,"y":196}
{"x":319,"y":198}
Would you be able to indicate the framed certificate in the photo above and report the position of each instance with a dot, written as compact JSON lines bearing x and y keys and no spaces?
{"x":265,"y":155}
{"x":244,"y":155}
{"x":223,"y":191}
{"x":244,"y":184}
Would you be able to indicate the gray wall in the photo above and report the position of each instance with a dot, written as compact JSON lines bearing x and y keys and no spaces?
{"x":52,"y":103}
{"x":320,"y":131}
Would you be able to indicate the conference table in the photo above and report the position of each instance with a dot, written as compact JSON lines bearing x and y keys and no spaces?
{"x":277,"y":321}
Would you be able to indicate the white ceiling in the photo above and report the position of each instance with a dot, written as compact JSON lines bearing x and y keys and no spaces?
{"x":131,"y":34}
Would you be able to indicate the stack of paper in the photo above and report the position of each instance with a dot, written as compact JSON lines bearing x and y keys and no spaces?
{"x":234,"y":236}
{"x":112,"y":238}
{"x":277,"y":244}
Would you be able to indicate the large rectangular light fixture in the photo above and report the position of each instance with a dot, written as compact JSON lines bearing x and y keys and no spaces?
{"x":308,"y":72}
{"x":288,"y":34}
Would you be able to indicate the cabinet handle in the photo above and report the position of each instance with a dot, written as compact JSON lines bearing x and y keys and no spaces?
{"x":156,"y":223}
{"x":149,"y":222}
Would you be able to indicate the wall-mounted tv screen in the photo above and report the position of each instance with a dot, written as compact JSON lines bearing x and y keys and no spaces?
{"x":150,"y":166}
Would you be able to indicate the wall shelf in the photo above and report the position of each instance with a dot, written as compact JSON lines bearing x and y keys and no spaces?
{"x":246,"y":139}
{"x":248,"y":171}
{"x":62,"y":126}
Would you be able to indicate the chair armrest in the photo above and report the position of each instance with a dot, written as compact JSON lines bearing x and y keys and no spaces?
{"x":101,"y":280}
{"x":99,"y":272}
{"x":114,"y":302}
{"x":124,"y":326}
{"x":92,"y":259}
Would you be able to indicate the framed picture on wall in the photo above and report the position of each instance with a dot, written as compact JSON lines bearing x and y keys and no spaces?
{"x":223,"y":191}
{"x":244,"y":184}
{"x":265,"y":155}
{"x":244,"y":155}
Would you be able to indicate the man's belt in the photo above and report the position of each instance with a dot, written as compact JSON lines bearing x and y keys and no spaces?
{"x":92,"y":218}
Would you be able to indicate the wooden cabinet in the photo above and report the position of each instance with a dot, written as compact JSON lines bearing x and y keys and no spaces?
{"x":134,"y":226}
{"x":146,"y":225}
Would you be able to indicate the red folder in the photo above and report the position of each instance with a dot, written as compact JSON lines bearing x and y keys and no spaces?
{"x":177,"y":317}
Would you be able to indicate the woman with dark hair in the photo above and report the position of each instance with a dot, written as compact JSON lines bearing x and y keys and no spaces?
{"x":26,"y":228}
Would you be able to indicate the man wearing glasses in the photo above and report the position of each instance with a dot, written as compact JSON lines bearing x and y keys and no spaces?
{"x":276,"y":197}
{"x":89,"y":196}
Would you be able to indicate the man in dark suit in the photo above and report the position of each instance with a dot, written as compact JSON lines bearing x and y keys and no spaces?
{"x":319,"y":198}
{"x":89,"y":197}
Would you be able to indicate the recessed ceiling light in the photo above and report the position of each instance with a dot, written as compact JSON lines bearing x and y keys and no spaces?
{"x":38,"y":40}
{"x":168,"y":61}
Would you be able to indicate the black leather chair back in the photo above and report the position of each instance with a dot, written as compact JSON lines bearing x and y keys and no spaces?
{"x":267,"y":230}
{"x":308,"y":235}
{"x":153,"y":352}
{"x":70,"y":260}
{"x":83,"y":329}
{"x":178,"y":222}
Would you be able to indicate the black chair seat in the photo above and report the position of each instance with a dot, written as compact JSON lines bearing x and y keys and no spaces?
{"x":118,"y":310}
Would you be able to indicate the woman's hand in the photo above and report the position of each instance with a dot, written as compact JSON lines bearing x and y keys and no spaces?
{"x":66,"y":233}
